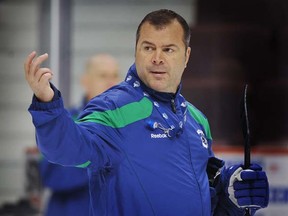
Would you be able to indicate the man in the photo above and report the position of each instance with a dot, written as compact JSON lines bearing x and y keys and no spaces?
{"x":69,"y":186}
{"x":101,"y":73}
{"x":145,"y":147}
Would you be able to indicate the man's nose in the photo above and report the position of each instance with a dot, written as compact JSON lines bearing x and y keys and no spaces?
{"x":157,"y":58}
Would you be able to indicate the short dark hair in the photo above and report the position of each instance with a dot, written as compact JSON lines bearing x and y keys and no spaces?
{"x":163,"y":17}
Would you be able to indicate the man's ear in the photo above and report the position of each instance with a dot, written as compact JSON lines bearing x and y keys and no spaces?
{"x":188,"y":51}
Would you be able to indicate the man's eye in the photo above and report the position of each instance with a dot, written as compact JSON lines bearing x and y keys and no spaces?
{"x":169,"y":50}
{"x":147,"y":48}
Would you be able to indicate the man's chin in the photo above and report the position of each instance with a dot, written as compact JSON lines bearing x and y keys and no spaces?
{"x":158,"y":88}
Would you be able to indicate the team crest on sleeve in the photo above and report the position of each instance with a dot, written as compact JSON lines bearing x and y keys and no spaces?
{"x":203,"y":138}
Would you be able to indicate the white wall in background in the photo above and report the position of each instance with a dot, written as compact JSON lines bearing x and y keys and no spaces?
{"x":18,"y":36}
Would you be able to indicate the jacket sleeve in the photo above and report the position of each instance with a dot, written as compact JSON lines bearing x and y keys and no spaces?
{"x":59,"y":178}
{"x":65,"y":142}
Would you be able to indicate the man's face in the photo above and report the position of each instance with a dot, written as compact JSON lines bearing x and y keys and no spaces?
{"x":102,"y":79}
{"x":161,"y":56}
{"x":102,"y":74}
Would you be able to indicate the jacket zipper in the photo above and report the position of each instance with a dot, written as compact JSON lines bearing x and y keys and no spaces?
{"x":173,"y":106}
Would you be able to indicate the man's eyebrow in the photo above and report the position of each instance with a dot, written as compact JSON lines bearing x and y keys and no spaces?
{"x":152,"y":44}
{"x":147,"y":42}
{"x":170,"y":45}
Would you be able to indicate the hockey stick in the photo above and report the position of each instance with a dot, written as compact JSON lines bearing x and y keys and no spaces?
{"x":246,"y":135}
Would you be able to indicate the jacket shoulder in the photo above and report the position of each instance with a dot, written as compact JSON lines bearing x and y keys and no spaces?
{"x":200,"y":118}
{"x":117,"y":107}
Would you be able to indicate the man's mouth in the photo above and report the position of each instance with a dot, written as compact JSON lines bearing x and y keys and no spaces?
{"x":158,"y":72}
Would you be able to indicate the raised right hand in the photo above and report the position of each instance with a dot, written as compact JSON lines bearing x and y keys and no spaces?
{"x":38,"y":78}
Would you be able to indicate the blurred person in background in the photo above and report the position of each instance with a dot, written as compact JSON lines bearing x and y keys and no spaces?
{"x":68,"y":187}
{"x":101,"y":73}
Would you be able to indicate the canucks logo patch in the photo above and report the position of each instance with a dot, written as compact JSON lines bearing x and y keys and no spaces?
{"x":203,"y":138}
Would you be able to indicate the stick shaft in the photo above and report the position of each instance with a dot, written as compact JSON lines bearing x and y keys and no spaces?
{"x":247,"y":150}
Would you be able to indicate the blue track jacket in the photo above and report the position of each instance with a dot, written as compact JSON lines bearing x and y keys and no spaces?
{"x":146,"y":152}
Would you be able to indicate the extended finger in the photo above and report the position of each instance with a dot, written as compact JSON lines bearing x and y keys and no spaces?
{"x":42,"y":71}
{"x":28,"y":62}
{"x":45,"y":78}
{"x":36,"y":63}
